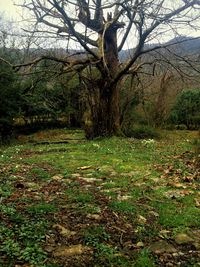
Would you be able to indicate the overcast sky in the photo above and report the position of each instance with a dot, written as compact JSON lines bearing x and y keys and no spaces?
{"x":9,"y":10}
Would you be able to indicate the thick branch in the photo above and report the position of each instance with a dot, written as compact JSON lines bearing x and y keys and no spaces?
{"x":85,"y":17}
{"x":72,"y":30}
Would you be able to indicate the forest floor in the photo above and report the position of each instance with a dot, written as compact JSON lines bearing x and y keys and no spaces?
{"x":65,"y":201}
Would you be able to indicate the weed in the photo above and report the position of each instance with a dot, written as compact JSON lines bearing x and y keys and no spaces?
{"x":104,"y":254}
{"x":11,"y":248}
{"x":95,"y":235}
{"x":34,"y":254}
{"x":6,"y":190}
{"x":173,"y":216}
{"x":89,"y":209}
{"x":42,"y":208}
{"x":84,"y":197}
{"x":122,"y":207}
{"x":40,"y":173}
{"x":75,"y":195}
{"x":127,"y":168}
{"x":8,"y":209}
{"x":144,"y":259}
{"x":23,"y":242}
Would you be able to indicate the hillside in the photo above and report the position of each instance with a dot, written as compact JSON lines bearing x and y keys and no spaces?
{"x":185,"y":47}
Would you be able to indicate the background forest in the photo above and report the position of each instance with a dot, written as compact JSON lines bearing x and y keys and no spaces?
{"x":45,"y":96}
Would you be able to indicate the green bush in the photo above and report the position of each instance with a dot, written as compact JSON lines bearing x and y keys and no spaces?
{"x":141,"y":132}
{"x":186,"y":110}
{"x":181,"y":127}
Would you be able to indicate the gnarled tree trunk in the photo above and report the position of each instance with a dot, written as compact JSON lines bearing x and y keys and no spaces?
{"x":103,"y":116}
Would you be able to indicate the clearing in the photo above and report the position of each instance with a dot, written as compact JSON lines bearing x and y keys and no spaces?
{"x":124,"y":202}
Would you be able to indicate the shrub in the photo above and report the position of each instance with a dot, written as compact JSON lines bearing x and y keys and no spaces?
{"x":141,"y":132}
{"x":186,"y":110}
{"x":9,"y":101}
{"x":182,"y":127}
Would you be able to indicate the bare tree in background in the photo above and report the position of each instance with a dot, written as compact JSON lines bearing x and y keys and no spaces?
{"x":101,"y":28}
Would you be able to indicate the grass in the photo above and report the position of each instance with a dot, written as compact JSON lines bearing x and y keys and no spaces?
{"x":23,"y":242}
{"x":122,"y":207}
{"x":113,"y":193}
{"x":145,"y":259}
{"x":42,"y":208}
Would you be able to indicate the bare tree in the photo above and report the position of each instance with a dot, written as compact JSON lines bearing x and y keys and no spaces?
{"x":101,"y":28}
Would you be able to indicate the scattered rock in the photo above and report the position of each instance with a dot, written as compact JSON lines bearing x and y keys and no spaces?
{"x":89,"y":174}
{"x":57,"y":177}
{"x":140,"y":245}
{"x":161,"y":247}
{"x":94,"y":217}
{"x":196,"y":245}
{"x":139,"y":184}
{"x":32,"y":187}
{"x":197,"y":202}
{"x":76,"y":175}
{"x":113,"y":173}
{"x":64,"y":251}
{"x":63,"y":231}
{"x":128,"y":226}
{"x":121,"y":198}
{"x":181,"y":253}
{"x":87,"y":186}
{"x":36,"y":197}
{"x":110,"y":190}
{"x":68,"y":181}
{"x":49,"y":249}
{"x":153,"y":213}
{"x":164,"y":234}
{"x":156,"y":180}
{"x":192,"y":237}
{"x":176,"y":254}
{"x":181,"y":239}
{"x":169,"y":264}
{"x":141,"y":219}
{"x":90,"y":180}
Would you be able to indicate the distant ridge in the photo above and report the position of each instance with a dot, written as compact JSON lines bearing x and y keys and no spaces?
{"x":185,"y":46}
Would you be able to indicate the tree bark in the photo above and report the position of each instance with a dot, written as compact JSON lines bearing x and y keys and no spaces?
{"x":102,"y":118}
{"x":103,"y":115}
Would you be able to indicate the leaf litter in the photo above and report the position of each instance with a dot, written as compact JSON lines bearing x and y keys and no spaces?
{"x":126,"y":234}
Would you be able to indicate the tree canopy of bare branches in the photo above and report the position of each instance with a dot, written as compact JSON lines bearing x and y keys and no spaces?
{"x":102,"y":28}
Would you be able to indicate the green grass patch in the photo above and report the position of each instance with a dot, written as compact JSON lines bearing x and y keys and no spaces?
{"x":42,"y":208}
{"x":30,"y":198}
{"x":122,"y":207}
{"x":40,"y":173}
{"x":145,"y":259}
{"x":23,"y":242}
{"x":173,"y":215}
